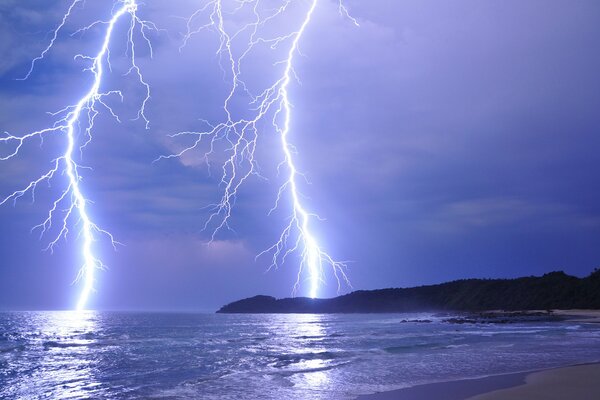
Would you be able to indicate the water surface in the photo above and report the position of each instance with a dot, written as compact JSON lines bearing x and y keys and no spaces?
{"x":115,"y":355}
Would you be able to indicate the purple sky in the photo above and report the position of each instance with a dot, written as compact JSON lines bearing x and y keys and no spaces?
{"x":442,"y":140}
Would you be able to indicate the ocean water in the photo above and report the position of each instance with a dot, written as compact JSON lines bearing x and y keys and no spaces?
{"x":112,"y":355}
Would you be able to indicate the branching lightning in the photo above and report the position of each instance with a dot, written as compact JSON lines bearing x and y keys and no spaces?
{"x":76,"y":123}
{"x":239,"y":131}
{"x":241,"y":134}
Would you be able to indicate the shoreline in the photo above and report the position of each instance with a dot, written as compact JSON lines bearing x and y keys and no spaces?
{"x":579,"y":315}
{"x":574,"y":382}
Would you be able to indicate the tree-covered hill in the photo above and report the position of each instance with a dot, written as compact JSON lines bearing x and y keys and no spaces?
{"x":555,"y":290}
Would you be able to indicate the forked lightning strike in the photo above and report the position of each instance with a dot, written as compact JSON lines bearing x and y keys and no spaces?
{"x":76,"y":123}
{"x":241,"y":134}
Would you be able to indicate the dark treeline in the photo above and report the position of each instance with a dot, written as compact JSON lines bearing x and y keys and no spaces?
{"x":555,"y":290}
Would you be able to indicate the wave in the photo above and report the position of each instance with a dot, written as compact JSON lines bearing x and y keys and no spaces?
{"x":284,"y":360}
{"x":408,"y":348}
{"x":12,"y":348}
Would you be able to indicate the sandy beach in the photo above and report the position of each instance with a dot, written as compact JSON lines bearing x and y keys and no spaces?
{"x":579,"y":382}
{"x":587,"y":316}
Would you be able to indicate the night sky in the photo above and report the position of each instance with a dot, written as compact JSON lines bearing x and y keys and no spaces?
{"x":442,"y":140}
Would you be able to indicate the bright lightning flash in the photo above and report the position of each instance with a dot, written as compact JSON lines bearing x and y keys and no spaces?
{"x":76,"y":123}
{"x":241,"y":134}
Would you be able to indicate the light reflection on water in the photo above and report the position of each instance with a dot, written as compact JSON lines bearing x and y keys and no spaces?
{"x":62,"y":366}
{"x":304,"y":336}
{"x":73,"y":355}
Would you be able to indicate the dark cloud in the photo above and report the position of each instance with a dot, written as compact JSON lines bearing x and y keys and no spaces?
{"x":441,"y":141}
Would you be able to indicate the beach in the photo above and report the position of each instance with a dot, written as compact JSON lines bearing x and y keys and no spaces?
{"x":576,"y":382}
{"x":579,"y":382}
{"x":587,"y":316}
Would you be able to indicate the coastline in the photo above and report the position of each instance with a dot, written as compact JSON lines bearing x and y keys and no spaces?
{"x":576,"y":382}
{"x":583,"y":316}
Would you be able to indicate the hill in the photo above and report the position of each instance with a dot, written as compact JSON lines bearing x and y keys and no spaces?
{"x":555,"y":290}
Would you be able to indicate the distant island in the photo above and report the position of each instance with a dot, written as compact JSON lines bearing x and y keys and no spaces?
{"x":555,"y":290}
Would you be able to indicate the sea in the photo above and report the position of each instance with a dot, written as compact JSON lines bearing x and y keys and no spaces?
{"x":126,"y":355}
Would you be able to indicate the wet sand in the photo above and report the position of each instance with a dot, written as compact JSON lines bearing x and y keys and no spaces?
{"x":588,"y":316}
{"x":452,"y":390}
{"x":580,"y":382}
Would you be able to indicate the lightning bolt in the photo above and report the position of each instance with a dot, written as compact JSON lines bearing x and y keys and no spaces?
{"x":241,"y":135}
{"x":76,"y":123}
